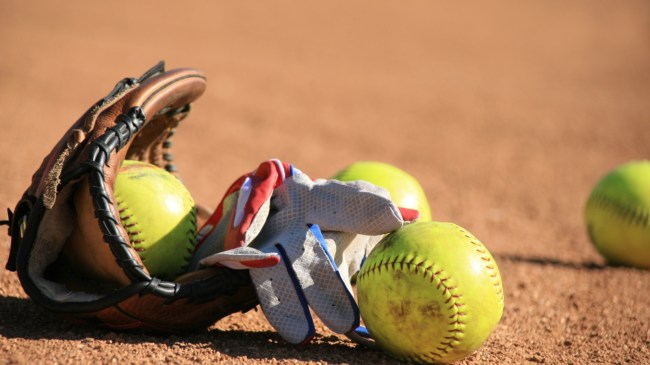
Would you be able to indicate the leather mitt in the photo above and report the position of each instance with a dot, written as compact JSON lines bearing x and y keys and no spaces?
{"x":69,"y":246}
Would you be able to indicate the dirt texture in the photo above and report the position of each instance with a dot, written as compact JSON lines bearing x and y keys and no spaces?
{"x":507,"y":113}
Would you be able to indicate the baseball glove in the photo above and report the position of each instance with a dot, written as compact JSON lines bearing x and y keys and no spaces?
{"x":101,"y":278}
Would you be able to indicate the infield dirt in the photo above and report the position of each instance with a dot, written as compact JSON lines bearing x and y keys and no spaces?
{"x":507,"y":114}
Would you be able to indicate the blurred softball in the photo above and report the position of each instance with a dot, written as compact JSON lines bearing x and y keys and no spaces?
{"x":617,"y":214}
{"x":430,"y":292}
{"x":159,"y":215}
{"x":404,"y":189}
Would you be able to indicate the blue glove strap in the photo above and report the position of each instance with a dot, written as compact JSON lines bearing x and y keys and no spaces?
{"x":299,"y":293}
{"x":315,"y":229}
{"x":363,"y":332}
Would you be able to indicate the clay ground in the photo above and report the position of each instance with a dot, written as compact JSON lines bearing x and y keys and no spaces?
{"x":508,"y":114}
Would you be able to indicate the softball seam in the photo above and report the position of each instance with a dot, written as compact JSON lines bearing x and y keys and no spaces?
{"x":191,"y":233}
{"x":634,"y":215}
{"x":191,"y":237}
{"x":131,"y":227}
{"x":456,"y":322}
{"x":488,"y":263}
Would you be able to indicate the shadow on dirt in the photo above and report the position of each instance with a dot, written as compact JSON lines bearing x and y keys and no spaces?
{"x":545,"y":261}
{"x":21,"y":318}
{"x":269,"y":345}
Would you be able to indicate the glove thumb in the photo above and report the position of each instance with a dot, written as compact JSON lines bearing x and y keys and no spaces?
{"x":242,"y":258}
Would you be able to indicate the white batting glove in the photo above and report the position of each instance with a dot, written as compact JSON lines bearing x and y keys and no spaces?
{"x":302,"y":244}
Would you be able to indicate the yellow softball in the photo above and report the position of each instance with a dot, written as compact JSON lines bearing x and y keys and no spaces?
{"x":617,"y":214}
{"x":430,"y":293}
{"x":159,"y":215}
{"x":404,"y":189}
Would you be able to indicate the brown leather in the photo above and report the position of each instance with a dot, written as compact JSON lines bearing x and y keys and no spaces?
{"x":153,"y":313}
{"x":102,"y":290}
{"x":86,"y":248}
{"x":86,"y":243}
